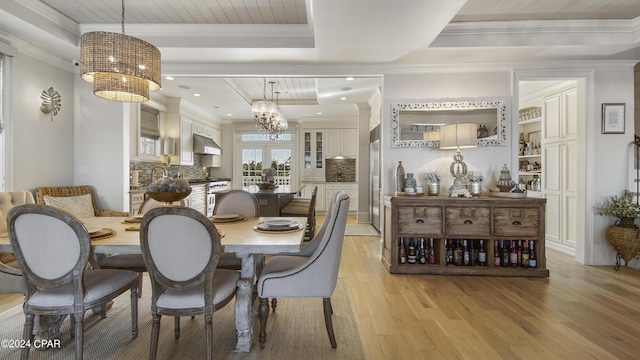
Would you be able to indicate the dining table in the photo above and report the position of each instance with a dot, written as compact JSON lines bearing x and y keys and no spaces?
{"x":248,"y":238}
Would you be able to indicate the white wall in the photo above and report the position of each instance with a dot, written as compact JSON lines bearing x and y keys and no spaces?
{"x":102,"y":147}
{"x":488,"y":160}
{"x":42,"y":149}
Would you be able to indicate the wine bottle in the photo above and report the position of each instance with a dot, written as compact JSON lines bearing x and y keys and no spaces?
{"x":449,"y":252}
{"x":533,"y":260}
{"x":402,"y":252}
{"x":466,"y":254}
{"x":482,"y":254}
{"x":431,"y":253}
{"x":519,"y":243}
{"x":422,"y":252}
{"x":504,"y":252}
{"x":496,"y":254}
{"x":457,"y":253}
{"x":524,"y":260}
{"x":412,"y":255}
{"x":473,"y":253}
{"x":513,"y":254}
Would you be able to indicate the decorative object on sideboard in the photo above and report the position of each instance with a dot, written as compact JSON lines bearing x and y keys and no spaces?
{"x":433,"y":178}
{"x":168,"y":149}
{"x":624,"y":234}
{"x":399,"y":178}
{"x":51,"y":102}
{"x":475,"y":179}
{"x":458,"y":136}
{"x":410,"y":184}
{"x":505,"y":183}
{"x":120,"y":67}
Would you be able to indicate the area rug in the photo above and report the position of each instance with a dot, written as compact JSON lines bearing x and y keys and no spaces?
{"x":295,"y":331}
{"x":361,"y":230}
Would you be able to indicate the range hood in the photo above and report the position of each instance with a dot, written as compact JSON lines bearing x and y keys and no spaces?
{"x":204,"y":145}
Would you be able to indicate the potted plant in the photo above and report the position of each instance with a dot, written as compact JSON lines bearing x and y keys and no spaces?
{"x":623,"y":234}
{"x":433,"y":179}
{"x":475,"y":179}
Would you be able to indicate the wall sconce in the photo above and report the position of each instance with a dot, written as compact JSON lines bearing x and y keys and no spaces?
{"x":168,"y":149}
{"x":51,"y":102}
{"x":458,"y":136}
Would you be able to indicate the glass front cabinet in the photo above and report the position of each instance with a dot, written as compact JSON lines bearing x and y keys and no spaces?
{"x":313,"y":154}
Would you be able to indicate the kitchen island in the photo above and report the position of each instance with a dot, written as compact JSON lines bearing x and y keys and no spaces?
{"x":270,"y":201}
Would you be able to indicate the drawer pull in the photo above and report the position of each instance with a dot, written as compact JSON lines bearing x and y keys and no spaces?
{"x":516,"y":223}
{"x":419,"y":221}
{"x":468,"y":222}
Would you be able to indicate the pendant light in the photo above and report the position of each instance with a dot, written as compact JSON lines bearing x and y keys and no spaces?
{"x":120,"y":67}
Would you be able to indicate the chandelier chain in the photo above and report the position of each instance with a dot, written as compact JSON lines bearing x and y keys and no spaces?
{"x":122,"y":17}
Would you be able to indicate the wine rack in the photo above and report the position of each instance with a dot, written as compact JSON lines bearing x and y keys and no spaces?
{"x":492,"y":221}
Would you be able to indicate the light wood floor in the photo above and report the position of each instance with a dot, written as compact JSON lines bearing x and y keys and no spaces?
{"x":579,"y":312}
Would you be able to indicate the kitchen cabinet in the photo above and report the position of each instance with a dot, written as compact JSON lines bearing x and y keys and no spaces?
{"x":560,"y":161}
{"x":490,"y":219}
{"x":186,"y":141}
{"x":342,"y":142}
{"x":136,"y":198}
{"x":350,"y":189}
{"x":313,"y":155}
{"x":198,"y":198}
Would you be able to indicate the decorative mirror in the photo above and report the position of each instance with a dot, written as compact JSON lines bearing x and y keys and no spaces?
{"x":417,"y":124}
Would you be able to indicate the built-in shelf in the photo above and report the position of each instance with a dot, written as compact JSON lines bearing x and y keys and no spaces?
{"x":530,"y":121}
{"x":529,"y":156}
{"x":521,"y":173}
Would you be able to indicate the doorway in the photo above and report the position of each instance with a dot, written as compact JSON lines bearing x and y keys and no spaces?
{"x":561,"y":105}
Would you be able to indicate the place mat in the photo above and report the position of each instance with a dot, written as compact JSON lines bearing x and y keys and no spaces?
{"x":278,"y":230}
{"x":102,"y":234}
{"x":132,"y":220}
{"x":232,"y":220}
{"x":133,"y":228}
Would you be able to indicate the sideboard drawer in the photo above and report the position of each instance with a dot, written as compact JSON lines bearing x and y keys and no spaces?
{"x":468,"y":221}
{"x":516,"y":222}
{"x":420,"y":220}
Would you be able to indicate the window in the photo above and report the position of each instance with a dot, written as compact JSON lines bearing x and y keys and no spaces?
{"x":149,"y":131}
{"x":258,"y":153}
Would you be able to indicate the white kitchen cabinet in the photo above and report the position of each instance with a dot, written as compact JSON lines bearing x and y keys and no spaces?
{"x":350,"y":189}
{"x":342,"y":142}
{"x":186,"y":141}
{"x":560,"y":180}
{"x":198,"y":198}
{"x":313,"y":143}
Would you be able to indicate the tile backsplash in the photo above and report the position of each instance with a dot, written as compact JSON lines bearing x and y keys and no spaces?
{"x":340,"y":170}
{"x":197,"y":171}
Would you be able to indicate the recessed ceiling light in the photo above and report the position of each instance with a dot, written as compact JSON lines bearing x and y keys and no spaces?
{"x":319,"y":113}
{"x":343,"y":98}
{"x":350,"y":78}
{"x":168,"y":77}
{"x":196,"y":94}
{"x":229,"y":114}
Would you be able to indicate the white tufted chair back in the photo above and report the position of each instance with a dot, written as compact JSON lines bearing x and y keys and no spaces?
{"x":9,"y":200}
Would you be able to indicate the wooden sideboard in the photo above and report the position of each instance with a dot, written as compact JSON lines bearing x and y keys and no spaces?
{"x":480,"y":218}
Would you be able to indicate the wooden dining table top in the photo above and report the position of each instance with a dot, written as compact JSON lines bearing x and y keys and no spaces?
{"x":237,"y":237}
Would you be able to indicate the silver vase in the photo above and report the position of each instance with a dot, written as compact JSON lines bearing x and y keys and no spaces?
{"x":475,"y":188}
{"x":433,"y":189}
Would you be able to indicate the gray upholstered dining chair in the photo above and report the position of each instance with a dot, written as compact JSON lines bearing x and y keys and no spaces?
{"x":307,"y":276}
{"x":236,"y":202}
{"x":302,"y":207}
{"x":184,"y":278}
{"x":11,"y":279}
{"x":52,"y":248}
{"x":133,"y":262}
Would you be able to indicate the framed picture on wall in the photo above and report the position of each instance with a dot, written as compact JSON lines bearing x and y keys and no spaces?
{"x":613,"y":118}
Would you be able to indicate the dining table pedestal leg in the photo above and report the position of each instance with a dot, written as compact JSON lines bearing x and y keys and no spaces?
{"x":245,"y":311}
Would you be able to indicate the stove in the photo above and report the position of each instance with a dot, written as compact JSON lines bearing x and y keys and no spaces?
{"x":213,"y":188}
